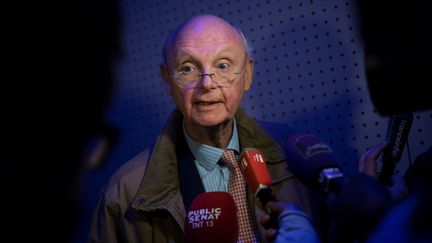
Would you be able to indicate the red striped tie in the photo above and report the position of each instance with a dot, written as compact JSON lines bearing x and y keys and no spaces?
{"x":237,"y":189}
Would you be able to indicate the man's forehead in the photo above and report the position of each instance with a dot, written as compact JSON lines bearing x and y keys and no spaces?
{"x":207,"y":29}
{"x":205,"y":21}
{"x":207,"y":49}
{"x":207,"y":34}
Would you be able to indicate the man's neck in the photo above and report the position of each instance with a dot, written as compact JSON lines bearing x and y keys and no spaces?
{"x":215,"y":136}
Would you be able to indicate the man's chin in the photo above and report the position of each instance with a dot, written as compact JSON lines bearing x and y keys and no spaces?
{"x":211,"y":123}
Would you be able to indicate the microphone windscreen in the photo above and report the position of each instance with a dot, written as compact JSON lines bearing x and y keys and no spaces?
{"x":308,"y":156}
{"x":212,"y":218}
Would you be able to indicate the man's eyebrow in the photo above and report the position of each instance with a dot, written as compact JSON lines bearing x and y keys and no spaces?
{"x":226,"y":52}
{"x":183,"y":57}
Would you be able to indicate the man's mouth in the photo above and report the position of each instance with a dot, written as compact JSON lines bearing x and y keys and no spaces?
{"x":202,"y":103}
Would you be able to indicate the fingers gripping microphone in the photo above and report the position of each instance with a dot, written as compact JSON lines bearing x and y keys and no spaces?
{"x":397,"y":134}
{"x":314,"y":163}
{"x":212,"y":218}
{"x":257,"y":176}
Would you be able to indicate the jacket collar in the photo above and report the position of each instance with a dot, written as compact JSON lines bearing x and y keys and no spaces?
{"x":159,"y":188}
{"x":249,"y":131}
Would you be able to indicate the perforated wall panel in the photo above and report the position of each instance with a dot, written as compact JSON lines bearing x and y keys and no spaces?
{"x":309,"y":76}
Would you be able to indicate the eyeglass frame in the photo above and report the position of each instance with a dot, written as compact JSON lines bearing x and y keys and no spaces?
{"x":246,"y":58}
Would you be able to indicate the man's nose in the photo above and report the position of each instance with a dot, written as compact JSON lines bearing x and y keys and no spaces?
{"x":207,"y":80}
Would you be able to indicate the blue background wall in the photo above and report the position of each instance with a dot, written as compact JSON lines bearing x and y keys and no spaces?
{"x":309,"y":76}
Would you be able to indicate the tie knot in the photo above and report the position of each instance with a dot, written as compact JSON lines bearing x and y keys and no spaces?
{"x":229,"y":158}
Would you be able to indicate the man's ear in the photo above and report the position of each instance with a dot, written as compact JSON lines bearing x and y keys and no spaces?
{"x":248,"y":74}
{"x":166,"y":78}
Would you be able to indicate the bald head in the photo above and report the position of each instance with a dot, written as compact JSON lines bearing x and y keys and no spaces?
{"x":208,"y":28}
{"x":207,"y":72}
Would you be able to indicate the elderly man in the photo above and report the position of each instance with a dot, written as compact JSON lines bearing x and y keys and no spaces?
{"x":207,"y":70}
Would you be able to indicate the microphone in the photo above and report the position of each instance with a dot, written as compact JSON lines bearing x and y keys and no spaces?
{"x":354,"y":205}
{"x":398,"y":128}
{"x":257,"y":176}
{"x":314,"y":163}
{"x":255,"y":171}
{"x":212,"y":218}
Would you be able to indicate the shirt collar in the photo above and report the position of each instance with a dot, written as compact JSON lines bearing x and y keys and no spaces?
{"x":208,"y":156}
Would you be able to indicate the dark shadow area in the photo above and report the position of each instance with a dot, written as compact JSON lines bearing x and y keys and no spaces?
{"x":60,"y":80}
{"x":397,"y":39}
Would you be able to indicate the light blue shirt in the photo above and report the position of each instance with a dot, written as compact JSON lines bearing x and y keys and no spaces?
{"x":213,"y":175}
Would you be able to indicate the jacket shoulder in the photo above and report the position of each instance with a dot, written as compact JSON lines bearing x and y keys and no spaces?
{"x":126,"y":179}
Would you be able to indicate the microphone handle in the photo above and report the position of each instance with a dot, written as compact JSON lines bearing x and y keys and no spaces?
{"x":338,"y":184}
{"x":397,"y":135}
{"x":387,"y":171}
{"x":265,"y":195}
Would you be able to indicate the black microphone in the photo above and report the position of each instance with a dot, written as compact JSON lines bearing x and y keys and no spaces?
{"x":212,"y":218}
{"x":399,"y":126}
{"x":314,"y":163}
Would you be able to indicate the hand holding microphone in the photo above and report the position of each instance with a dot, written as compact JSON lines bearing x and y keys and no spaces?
{"x":285,"y":222}
{"x":367,"y":164}
{"x":391,"y":150}
{"x":254,"y":169}
{"x":368,"y":161}
{"x":354,"y":204}
{"x":295,"y":225}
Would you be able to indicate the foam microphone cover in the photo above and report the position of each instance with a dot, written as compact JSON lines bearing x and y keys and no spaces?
{"x":212,"y":218}
{"x":308,"y":156}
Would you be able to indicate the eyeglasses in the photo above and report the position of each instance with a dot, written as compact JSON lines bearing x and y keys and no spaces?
{"x":223,"y":75}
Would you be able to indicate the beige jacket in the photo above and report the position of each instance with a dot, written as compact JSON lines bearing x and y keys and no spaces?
{"x":142,"y":201}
